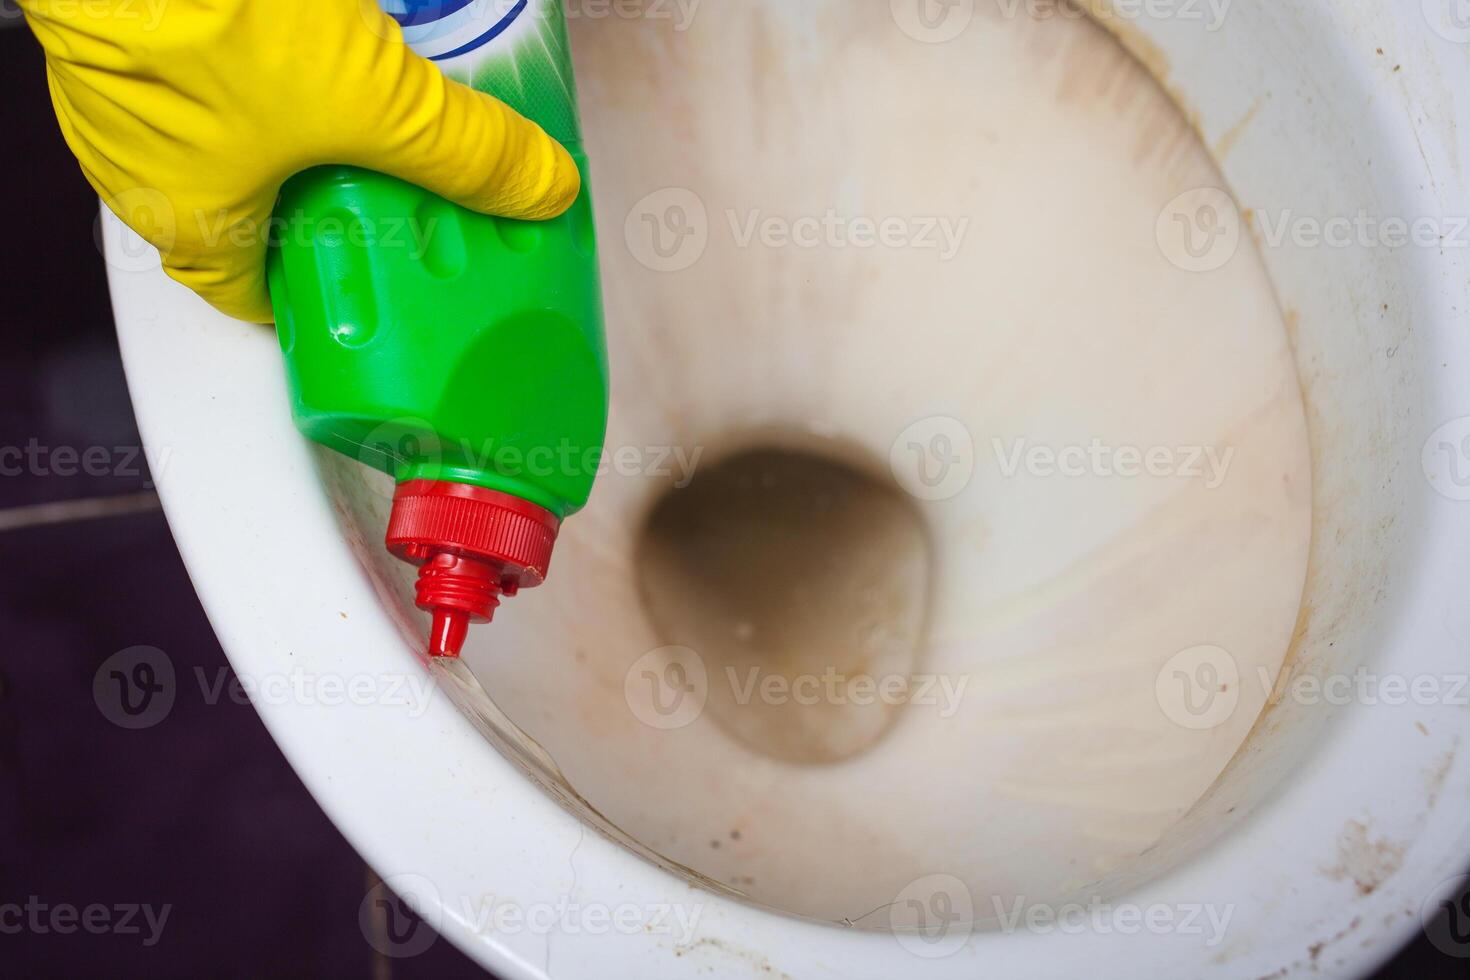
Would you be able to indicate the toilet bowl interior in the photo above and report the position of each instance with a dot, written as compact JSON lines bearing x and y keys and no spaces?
{"x":936,"y":284}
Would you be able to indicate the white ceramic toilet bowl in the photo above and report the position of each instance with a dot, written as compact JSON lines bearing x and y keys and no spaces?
{"x":1311,"y":827}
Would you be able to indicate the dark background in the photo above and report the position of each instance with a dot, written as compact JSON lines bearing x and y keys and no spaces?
{"x":200,"y":811}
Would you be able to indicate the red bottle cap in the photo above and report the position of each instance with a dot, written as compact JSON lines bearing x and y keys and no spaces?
{"x":472,"y":545}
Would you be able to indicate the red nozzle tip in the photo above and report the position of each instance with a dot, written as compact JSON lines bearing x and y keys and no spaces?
{"x":472,"y":546}
{"x":446,"y":636}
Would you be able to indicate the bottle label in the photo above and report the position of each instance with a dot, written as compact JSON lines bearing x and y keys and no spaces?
{"x":515,"y":50}
{"x":449,"y":30}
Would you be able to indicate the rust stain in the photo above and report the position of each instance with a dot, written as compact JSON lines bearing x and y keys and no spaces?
{"x":1367,"y":863}
{"x":1232,"y":135}
{"x":1139,"y":44}
{"x":1315,"y":950}
{"x":1434,"y":782}
{"x":754,"y":959}
{"x":1293,"y":319}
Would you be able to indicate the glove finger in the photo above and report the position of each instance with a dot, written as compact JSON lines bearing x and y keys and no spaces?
{"x":231,"y":279}
{"x":464,"y":145}
{"x":220,"y":259}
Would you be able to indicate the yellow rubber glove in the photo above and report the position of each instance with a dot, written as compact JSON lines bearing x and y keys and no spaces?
{"x":188,"y":115}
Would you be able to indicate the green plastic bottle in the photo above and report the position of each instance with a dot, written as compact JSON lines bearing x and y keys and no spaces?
{"x":460,"y":353}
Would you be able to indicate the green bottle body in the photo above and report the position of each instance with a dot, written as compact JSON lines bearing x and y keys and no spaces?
{"x":435,"y":343}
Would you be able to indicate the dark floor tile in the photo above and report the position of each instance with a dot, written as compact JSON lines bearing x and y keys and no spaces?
{"x":198,"y":811}
{"x":66,"y":424}
{"x":195,"y":810}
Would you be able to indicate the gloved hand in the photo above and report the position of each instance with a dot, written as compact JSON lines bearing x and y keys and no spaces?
{"x":188,"y":115}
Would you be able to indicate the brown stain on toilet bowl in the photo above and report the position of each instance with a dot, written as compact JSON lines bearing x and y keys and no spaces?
{"x":802,"y":582}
